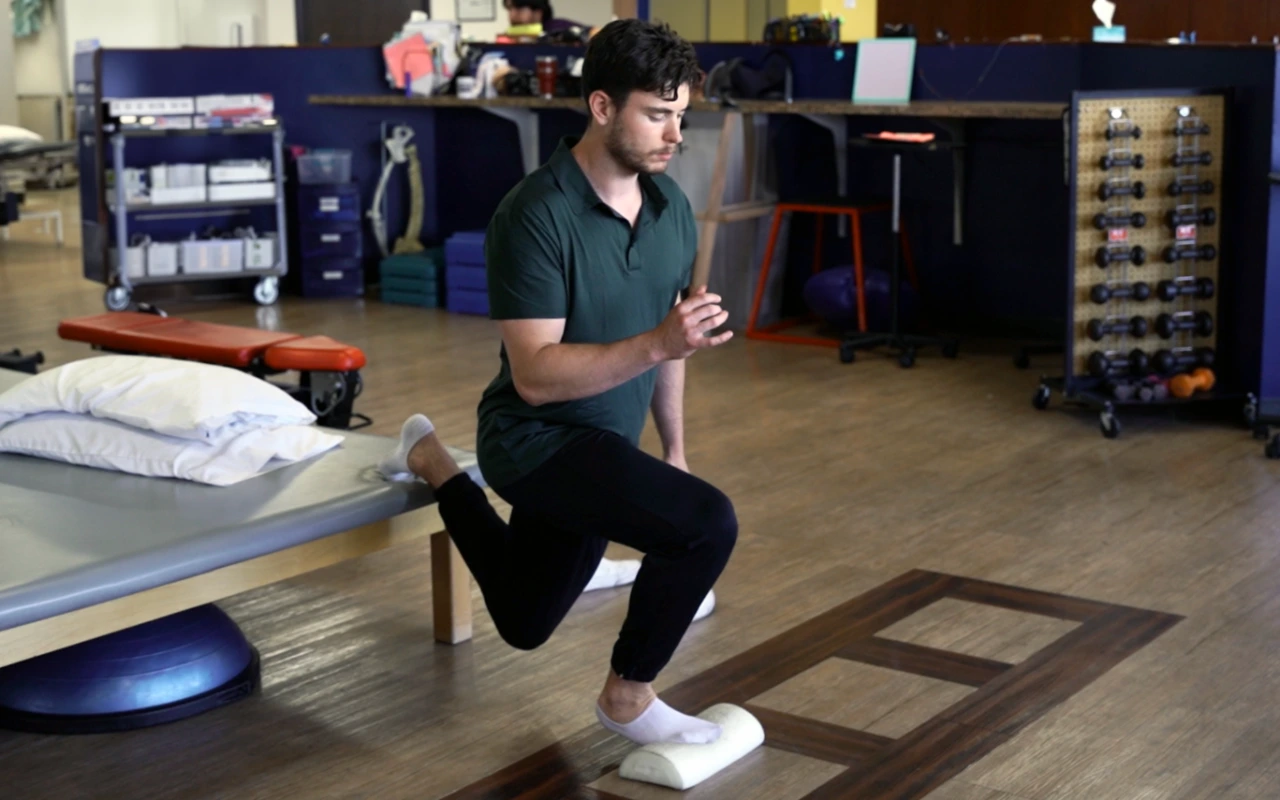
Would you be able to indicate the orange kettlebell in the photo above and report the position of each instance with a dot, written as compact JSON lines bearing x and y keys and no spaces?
{"x":1185,"y":385}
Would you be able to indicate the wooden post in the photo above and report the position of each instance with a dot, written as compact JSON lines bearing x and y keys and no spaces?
{"x":450,"y":591}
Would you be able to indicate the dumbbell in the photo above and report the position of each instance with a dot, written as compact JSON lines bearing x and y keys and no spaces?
{"x":1102,"y":365}
{"x":1133,"y":131}
{"x":1191,"y":129}
{"x":1169,"y":324}
{"x":1169,"y":291}
{"x":1136,"y":219}
{"x":1173,"y":254}
{"x":1185,"y":385}
{"x":1205,"y":216}
{"x":1137,"y":161}
{"x":1204,"y":187}
{"x":1109,"y":190}
{"x":1183,"y":159}
{"x":1168,"y":362}
{"x":1099,"y":329}
{"x":1101,"y":292}
{"x":1105,"y":256}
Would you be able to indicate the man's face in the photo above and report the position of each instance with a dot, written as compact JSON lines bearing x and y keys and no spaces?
{"x":523,"y":16}
{"x":643,"y":134}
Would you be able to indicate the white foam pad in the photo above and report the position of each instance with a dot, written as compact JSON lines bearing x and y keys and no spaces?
{"x":683,"y":766}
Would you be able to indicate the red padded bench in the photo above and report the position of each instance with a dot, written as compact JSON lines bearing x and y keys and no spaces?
{"x":330,"y":370}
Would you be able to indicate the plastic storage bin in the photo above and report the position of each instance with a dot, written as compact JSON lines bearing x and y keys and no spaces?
{"x":324,"y":166}
{"x":322,"y":203}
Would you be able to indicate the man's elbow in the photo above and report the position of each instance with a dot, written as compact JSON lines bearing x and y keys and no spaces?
{"x":530,"y":393}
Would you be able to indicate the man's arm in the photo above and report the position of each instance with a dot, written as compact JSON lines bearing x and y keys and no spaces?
{"x":668,"y":411}
{"x":546,"y":370}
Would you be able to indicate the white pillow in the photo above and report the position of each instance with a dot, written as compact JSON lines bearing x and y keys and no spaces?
{"x":106,"y":444}
{"x":187,"y":399}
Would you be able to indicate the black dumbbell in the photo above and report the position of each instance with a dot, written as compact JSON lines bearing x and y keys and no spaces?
{"x":1102,"y":365}
{"x":1168,"y":362}
{"x":1205,"y":216}
{"x":1101,"y":292}
{"x":1133,"y":131}
{"x":1201,"y":323}
{"x":1191,"y":129}
{"x":1136,"y":219}
{"x":1137,"y":161}
{"x":1204,"y":187}
{"x":1169,"y":291}
{"x":1183,"y":159}
{"x":1135,"y":327}
{"x":1109,"y":190}
{"x":1105,"y":256}
{"x":1173,"y":254}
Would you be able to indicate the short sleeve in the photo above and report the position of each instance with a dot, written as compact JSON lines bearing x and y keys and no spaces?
{"x":525,"y":267}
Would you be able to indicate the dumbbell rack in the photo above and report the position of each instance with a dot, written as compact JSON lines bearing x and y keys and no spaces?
{"x":1146,"y":188}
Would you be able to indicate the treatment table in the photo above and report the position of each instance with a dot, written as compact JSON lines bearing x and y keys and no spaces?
{"x":88,"y":552}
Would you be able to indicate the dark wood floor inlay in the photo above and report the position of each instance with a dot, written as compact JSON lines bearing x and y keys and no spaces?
{"x":1007,"y":697}
{"x":928,"y":662}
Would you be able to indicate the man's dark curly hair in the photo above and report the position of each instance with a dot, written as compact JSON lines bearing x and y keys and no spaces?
{"x":632,"y":55}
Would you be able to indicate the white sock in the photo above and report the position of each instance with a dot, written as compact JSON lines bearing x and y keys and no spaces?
{"x":708,"y":605}
{"x":395,"y":467}
{"x":612,"y":573}
{"x":662,"y":723}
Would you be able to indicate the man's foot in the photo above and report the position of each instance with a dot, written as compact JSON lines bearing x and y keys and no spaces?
{"x":708,"y":605}
{"x":419,"y":454}
{"x":613,"y":573}
{"x":632,"y":710}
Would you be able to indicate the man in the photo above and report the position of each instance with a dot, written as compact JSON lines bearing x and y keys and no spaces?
{"x":537,"y":12}
{"x":587,"y":259}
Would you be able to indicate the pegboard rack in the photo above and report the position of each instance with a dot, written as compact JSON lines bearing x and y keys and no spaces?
{"x":1144,"y":253}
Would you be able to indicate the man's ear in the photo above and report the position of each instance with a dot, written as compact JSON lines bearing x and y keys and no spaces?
{"x":600,"y":105}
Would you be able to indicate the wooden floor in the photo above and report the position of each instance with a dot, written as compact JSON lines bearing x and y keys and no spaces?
{"x":845,"y":479}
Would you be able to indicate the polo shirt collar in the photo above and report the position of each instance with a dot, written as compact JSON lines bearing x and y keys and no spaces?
{"x":573,"y":182}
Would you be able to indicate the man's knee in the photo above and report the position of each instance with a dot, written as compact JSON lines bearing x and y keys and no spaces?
{"x":523,"y":637}
{"x":717,"y":522}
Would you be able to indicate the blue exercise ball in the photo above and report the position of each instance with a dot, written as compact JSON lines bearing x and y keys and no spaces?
{"x":832,"y":295}
{"x":154,"y":672}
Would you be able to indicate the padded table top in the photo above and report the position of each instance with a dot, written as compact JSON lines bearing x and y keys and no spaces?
{"x":73,"y":537}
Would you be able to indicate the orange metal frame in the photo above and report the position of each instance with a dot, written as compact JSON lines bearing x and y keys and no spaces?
{"x":771,"y":332}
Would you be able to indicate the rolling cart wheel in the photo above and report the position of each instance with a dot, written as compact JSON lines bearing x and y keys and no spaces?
{"x":1041,"y":398}
{"x":267,"y":292}
{"x":951,"y":349}
{"x":847,"y":353}
{"x":1110,"y":424}
{"x":116,"y":298}
{"x":1273,"y":447}
{"x":1251,"y":412}
{"x":908,"y":358}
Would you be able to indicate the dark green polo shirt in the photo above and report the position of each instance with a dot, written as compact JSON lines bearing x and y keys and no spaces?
{"x":554,"y":250}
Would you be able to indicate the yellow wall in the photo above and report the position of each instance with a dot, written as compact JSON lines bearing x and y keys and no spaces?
{"x":729,"y":21}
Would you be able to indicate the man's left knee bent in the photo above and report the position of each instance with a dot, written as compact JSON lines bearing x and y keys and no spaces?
{"x":717,"y":522}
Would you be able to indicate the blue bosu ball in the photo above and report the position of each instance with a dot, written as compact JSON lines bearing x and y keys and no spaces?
{"x":832,"y":295}
{"x":149,"y":674}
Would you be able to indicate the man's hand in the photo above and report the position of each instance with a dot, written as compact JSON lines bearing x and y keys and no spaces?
{"x":684,"y":331}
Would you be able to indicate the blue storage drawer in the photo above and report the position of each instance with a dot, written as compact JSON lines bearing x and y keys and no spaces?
{"x":339,"y":277}
{"x":467,"y":301}
{"x":461,"y":276}
{"x":336,"y":202}
{"x":465,"y":247}
{"x":332,"y":241}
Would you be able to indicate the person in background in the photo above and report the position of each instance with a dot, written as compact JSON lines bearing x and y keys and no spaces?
{"x":521,"y":13}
